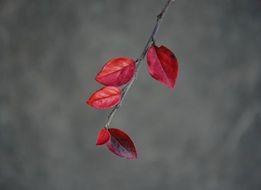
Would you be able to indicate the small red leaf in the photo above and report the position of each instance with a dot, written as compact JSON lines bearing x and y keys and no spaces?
{"x":116,"y":72}
{"x":103,"y":137}
{"x":105,"y":98}
{"x":121,"y":144}
{"x":162,"y":65}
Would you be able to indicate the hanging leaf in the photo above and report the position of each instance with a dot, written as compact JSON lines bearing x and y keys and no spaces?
{"x":116,"y":72}
{"x":105,"y":98}
{"x":103,"y":137}
{"x":121,"y":144}
{"x":162,"y":65}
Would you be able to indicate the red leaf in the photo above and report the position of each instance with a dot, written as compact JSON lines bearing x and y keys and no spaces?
{"x":162,"y":65}
{"x":103,"y":137}
{"x":116,"y":72}
{"x":121,"y":144}
{"x":105,"y":98}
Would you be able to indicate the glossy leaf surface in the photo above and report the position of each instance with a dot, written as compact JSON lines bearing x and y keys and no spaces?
{"x":121,"y":144}
{"x":103,"y":137}
{"x":116,"y":72}
{"x":105,"y":98}
{"x":162,"y":65}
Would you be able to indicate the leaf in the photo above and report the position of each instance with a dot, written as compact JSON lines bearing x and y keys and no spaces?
{"x":116,"y":72}
{"x":162,"y":65}
{"x":105,"y":98}
{"x":121,"y":144}
{"x":103,"y":137}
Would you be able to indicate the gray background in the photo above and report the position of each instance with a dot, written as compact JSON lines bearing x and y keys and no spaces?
{"x":204,"y":135}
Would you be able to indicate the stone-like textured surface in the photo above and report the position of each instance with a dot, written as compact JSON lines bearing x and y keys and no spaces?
{"x":205,"y":135}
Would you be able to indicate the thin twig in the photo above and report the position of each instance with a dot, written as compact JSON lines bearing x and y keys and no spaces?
{"x":160,"y":16}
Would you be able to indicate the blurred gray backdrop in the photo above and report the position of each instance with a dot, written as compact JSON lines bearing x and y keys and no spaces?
{"x":204,"y":135}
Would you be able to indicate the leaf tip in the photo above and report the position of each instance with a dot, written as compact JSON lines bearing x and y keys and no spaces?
{"x":134,"y":156}
{"x":87,"y":101}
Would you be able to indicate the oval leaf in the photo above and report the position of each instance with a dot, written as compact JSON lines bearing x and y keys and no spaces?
{"x":103,"y":137}
{"x":162,"y":65}
{"x":105,"y":98}
{"x":121,"y":144}
{"x":116,"y":72}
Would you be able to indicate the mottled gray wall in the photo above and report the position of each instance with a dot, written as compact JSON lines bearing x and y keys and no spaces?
{"x":204,"y":135}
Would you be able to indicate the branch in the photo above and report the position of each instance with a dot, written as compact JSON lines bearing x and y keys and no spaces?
{"x":160,"y":17}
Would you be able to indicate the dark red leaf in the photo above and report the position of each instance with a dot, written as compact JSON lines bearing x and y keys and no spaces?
{"x":121,"y":144}
{"x":162,"y":65}
{"x":116,"y":72}
{"x":105,"y":98}
{"x":103,"y":137}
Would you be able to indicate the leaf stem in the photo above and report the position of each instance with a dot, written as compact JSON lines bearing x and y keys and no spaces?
{"x":151,"y":39}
